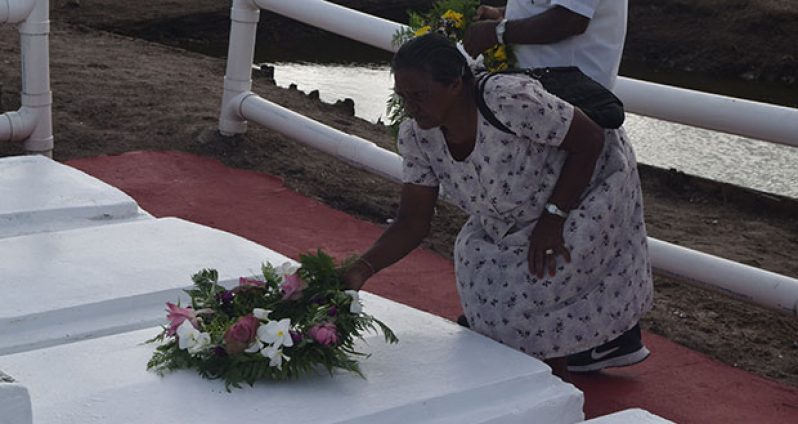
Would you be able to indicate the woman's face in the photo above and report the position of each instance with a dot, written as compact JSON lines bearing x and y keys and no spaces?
{"x":426,"y":100}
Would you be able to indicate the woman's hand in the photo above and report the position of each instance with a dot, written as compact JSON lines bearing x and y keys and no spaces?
{"x":356,"y":275}
{"x":545,"y":244}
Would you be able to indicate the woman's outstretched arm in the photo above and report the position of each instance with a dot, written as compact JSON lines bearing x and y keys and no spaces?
{"x":412,"y":224}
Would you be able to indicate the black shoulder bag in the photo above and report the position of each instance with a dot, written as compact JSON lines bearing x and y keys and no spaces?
{"x":570,"y":84}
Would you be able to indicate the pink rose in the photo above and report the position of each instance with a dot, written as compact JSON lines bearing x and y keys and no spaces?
{"x":241,"y":334}
{"x":292,"y":287}
{"x":244,"y":282}
{"x":325,"y":333}
{"x":177,"y":315}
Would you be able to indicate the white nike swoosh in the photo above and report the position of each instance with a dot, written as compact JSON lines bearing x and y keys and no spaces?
{"x":596,"y":356}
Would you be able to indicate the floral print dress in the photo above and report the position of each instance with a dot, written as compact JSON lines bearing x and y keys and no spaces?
{"x":503,"y":185}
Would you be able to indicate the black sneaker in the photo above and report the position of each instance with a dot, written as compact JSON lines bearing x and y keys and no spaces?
{"x":463,"y":321}
{"x":625,"y":350}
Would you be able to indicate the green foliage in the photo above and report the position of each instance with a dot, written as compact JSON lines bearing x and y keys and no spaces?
{"x":322,"y":301}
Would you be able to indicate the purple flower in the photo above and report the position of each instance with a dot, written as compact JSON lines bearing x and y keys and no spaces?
{"x":296,"y":336}
{"x":325,"y":334}
{"x":333,"y":311}
{"x":219,"y":351}
{"x":225,"y":296}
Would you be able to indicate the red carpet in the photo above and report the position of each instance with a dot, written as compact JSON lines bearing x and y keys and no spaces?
{"x":675,"y":383}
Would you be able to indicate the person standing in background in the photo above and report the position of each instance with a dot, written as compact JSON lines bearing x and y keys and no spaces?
{"x":590,"y":35}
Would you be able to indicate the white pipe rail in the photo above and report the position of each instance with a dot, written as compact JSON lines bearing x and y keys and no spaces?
{"x":359,"y":26}
{"x":727,"y":277}
{"x":755,"y":120}
{"x":239,"y":105}
{"x":244,"y":16}
{"x":32,"y":123}
{"x":15,"y":11}
{"x":349,"y":148}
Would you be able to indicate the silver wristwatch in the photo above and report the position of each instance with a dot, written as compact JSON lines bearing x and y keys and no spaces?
{"x":500,"y":27}
{"x":554,"y":210}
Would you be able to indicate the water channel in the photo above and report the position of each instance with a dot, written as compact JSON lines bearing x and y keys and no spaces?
{"x":750,"y":163}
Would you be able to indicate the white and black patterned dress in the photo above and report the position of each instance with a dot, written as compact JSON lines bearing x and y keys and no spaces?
{"x":503,"y":185}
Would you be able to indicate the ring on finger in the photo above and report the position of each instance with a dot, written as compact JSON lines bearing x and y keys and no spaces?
{"x":549,"y":251}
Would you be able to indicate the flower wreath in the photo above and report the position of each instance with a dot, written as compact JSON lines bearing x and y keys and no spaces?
{"x":288,"y":324}
{"x":450,"y":18}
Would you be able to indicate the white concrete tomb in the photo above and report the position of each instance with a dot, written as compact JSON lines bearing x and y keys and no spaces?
{"x":630,"y":416}
{"x":39,"y":194}
{"x":15,"y":405}
{"x":437,"y":373}
{"x":70,"y":285}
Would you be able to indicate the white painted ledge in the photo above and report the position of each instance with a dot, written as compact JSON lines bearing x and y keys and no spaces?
{"x":39,"y":194}
{"x":69,"y":285}
{"x":630,"y":416}
{"x":15,"y":405}
{"x":438,"y":373}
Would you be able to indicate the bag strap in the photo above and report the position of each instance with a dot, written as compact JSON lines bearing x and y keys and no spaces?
{"x":483,"y":107}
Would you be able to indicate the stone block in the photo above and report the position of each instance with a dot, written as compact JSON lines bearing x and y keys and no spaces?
{"x":63,"y":286}
{"x":39,"y":194}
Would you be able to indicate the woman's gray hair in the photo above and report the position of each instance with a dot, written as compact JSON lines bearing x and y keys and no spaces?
{"x":435,"y":54}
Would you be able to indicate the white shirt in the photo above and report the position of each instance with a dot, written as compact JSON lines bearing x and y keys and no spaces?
{"x":597,"y":52}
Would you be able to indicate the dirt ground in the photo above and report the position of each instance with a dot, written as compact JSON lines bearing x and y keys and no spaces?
{"x":115,"y":93}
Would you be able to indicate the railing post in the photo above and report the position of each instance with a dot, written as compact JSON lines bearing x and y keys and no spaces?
{"x":33,"y":122}
{"x":244,"y":17}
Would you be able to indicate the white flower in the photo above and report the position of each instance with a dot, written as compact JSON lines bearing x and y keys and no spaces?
{"x":287,"y":268}
{"x":276,"y":333}
{"x":275,"y":355}
{"x":261,"y":314}
{"x":254,"y":347}
{"x":355,"y":307}
{"x":191,"y":339}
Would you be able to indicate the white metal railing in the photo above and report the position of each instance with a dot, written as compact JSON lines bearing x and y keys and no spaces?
{"x":720,"y":113}
{"x":32,"y":123}
{"x":761,"y":121}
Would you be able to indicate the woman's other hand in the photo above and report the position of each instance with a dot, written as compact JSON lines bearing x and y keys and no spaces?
{"x":546,"y":244}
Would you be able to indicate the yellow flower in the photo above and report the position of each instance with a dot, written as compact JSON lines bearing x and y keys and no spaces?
{"x":500,"y":54}
{"x":423,"y":30}
{"x":454,"y":17}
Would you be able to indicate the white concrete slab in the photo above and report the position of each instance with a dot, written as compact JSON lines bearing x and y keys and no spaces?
{"x":438,"y":373}
{"x":39,"y":194}
{"x":15,"y":405}
{"x":69,"y":285}
{"x":629,"y":416}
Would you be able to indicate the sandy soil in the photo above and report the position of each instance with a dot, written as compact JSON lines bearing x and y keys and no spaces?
{"x":115,"y":93}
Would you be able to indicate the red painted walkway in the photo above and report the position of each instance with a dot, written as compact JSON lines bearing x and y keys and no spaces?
{"x":675,"y":383}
